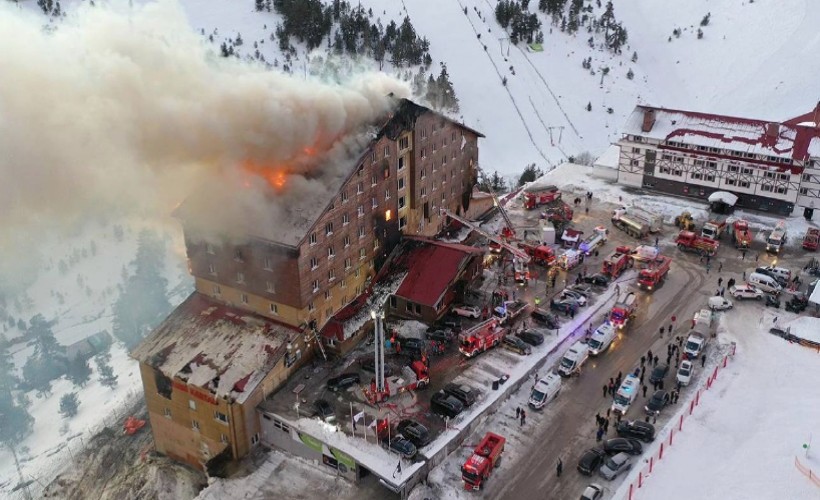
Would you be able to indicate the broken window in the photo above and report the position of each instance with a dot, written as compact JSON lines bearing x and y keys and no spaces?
{"x":164,"y":385}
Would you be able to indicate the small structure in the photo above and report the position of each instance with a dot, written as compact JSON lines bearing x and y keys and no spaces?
{"x":571,"y":237}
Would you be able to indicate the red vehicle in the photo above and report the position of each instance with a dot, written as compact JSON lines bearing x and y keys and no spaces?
{"x":812,"y":239}
{"x":623,"y":310}
{"x":481,"y":463}
{"x":741,"y":234}
{"x":535,"y":199}
{"x":540,"y":254}
{"x":688,"y":241}
{"x":653,"y":275}
{"x":413,"y":377}
{"x":617,"y":262}
{"x":481,"y":337}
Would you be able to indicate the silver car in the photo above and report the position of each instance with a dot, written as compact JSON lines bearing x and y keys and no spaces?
{"x":613,"y":466}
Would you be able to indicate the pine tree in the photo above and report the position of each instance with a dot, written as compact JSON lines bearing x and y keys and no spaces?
{"x":69,"y":404}
{"x":634,"y":57}
{"x":629,"y":74}
{"x":79,"y":371}
{"x":260,"y":5}
{"x":104,"y":370}
{"x":447,"y":93}
{"x":589,"y":106}
{"x":531,"y":172}
{"x":700,"y":33}
{"x":705,"y":20}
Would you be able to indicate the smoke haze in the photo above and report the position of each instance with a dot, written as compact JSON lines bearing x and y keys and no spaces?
{"x":128,"y":109}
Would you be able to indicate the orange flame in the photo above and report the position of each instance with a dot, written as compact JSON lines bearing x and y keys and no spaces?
{"x":276,"y":177}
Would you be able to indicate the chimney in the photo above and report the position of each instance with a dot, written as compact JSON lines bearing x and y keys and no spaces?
{"x":772,"y":129}
{"x":648,"y":120}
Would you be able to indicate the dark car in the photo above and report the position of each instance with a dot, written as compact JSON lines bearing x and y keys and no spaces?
{"x":768,"y":272}
{"x":411,"y":345}
{"x":464,"y":393}
{"x":565,"y":306}
{"x":597,"y":279}
{"x":418,"y":434}
{"x":657,"y":402}
{"x":439,"y":335}
{"x":582,"y":289}
{"x":546,"y":318}
{"x":622,"y":445}
{"x":636,"y":429}
{"x":445,"y":405}
{"x":772,"y":301}
{"x":401,"y":446}
{"x":343,"y":381}
{"x":590,"y":461}
{"x":451,"y":322}
{"x":658,"y":373}
{"x":369,"y":365}
{"x":515,"y":344}
{"x":322,"y":409}
{"x":797,"y":304}
{"x":531,"y":337}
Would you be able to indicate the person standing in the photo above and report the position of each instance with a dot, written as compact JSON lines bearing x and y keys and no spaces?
{"x":517,"y":412}
{"x":720,"y":281}
{"x":703,"y":361}
{"x":599,"y":434}
{"x":523,"y":416}
{"x":644,"y":391}
{"x":606,"y":425}
{"x":559,"y":467}
{"x":655,"y":360}
{"x":606,"y":389}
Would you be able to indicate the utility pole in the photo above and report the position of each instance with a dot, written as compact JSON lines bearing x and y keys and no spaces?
{"x":378,"y":317}
{"x":501,"y":45}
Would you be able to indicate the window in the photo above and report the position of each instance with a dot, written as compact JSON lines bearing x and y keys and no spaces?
{"x":731,"y":182}
{"x":423,"y":192}
{"x":387,"y":151}
{"x":312,"y":238}
{"x":374,"y":202}
{"x":315,"y":286}
{"x":217,"y":291}
{"x":279,"y":424}
{"x":330,"y":252}
{"x":209,"y":248}
{"x":424,"y":153}
{"x":423,"y":132}
{"x":212,"y":269}
{"x":402,"y":222}
{"x":766,"y":187}
{"x":401,"y":163}
{"x":329,"y":312}
{"x":747,"y":171}
{"x":311,"y":306}
{"x":343,"y":284}
{"x":401,"y":183}
{"x":167,"y":413}
{"x":770,"y":175}
{"x":221,"y":417}
{"x":195,"y":425}
{"x":404,"y":143}
{"x":243,"y":297}
{"x":331,"y":275}
{"x":268,"y":264}
{"x":781,"y":190}
{"x":636,"y":150}
{"x":710,"y":177}
{"x":387,"y":194}
{"x":255,"y":438}
{"x":362,"y":253}
{"x":274,"y":309}
{"x":386,"y":172}
{"x":359,"y":188}
{"x":361,"y":232}
{"x":697,"y":176}
{"x":783,"y":177}
{"x":388,"y":214}
{"x":634,"y":163}
{"x":240,"y":278}
{"x":223,"y":438}
{"x":804,"y":191}
{"x":356,"y":275}
{"x":744,"y":184}
{"x":328,"y":229}
{"x":401,"y":202}
{"x":373,"y":180}
{"x":434,"y":146}
{"x":444,"y":160}
{"x":375,"y":244}
{"x":237,"y":255}
{"x":314,"y":263}
{"x":698,"y":163}
{"x":453,"y":136}
{"x":328,"y":296}
{"x":806,"y":178}
{"x":360,"y":211}
{"x":711,"y":165}
{"x":408,"y":306}
{"x":372,"y":156}
{"x":345,"y":219}
{"x":347,"y":263}
{"x":359,"y":171}
{"x":423,"y":173}
{"x":344,"y":196}
{"x":192,"y":404}
{"x":347,"y":241}
{"x":733,"y":168}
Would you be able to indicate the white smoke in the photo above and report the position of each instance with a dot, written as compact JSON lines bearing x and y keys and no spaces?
{"x":123,"y":108}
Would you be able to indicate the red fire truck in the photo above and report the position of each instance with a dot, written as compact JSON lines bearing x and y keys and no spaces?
{"x":652,"y":276}
{"x":540,"y":254}
{"x":617,"y":262}
{"x":688,"y":241}
{"x":741,"y":234}
{"x":534,"y":199}
{"x":481,"y":337}
{"x":623,"y":310}
{"x":481,"y":463}
{"x":812,"y":238}
{"x":413,"y":377}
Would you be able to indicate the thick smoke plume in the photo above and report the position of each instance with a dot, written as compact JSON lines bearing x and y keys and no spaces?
{"x":129,"y":109}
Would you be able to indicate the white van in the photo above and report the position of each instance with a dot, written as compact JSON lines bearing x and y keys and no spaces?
{"x":573,"y":359}
{"x":626,"y":394}
{"x":545,"y":391}
{"x":601,"y":339}
{"x":765,"y":283}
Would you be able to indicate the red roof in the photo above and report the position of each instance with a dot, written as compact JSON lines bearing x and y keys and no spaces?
{"x":431,"y":267}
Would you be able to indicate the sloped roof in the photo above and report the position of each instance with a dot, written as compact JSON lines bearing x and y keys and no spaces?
{"x":431,"y":268}
{"x":224,"y":350}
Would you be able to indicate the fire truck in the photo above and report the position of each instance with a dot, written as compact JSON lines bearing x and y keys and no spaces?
{"x":540,"y":254}
{"x":653,"y":275}
{"x":413,"y":377}
{"x":481,"y":337}
{"x":623,"y":309}
{"x":534,"y":199}
{"x":688,"y":241}
{"x":481,"y":463}
{"x":522,"y":271}
{"x":570,"y":259}
{"x":509,"y":310}
{"x":812,"y":239}
{"x":714,"y":229}
{"x":777,"y":238}
{"x":741,"y":234}
{"x":617,"y":262}
{"x":597,"y":239}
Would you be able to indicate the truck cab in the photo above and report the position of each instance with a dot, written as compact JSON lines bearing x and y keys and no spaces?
{"x":484,"y":459}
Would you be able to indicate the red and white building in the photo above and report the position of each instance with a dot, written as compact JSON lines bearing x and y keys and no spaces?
{"x":770,"y":166}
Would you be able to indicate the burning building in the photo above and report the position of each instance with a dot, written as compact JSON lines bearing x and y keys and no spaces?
{"x":286,"y":280}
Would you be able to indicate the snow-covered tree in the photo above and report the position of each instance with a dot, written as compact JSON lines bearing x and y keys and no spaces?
{"x":69,"y":404}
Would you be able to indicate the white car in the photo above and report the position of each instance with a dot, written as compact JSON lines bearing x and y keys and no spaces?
{"x":684,"y":375}
{"x":719,"y":303}
{"x":745,"y":292}
{"x":468,"y":311}
{"x":576,"y":296}
{"x":593,"y":492}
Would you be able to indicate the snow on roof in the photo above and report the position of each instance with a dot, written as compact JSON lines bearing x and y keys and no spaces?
{"x":814,"y":298}
{"x":219,"y":348}
{"x":723,"y":197}
{"x":806,"y":327}
{"x":726,"y":132}
{"x":610,"y":157}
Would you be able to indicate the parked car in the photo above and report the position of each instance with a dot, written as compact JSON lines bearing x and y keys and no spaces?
{"x":657,"y":402}
{"x":515,"y":344}
{"x":467,"y":311}
{"x":593,"y":492}
{"x":566,"y":306}
{"x":412,"y":344}
{"x":622,"y":445}
{"x":401,"y":446}
{"x":614,"y":466}
{"x":590,"y":461}
{"x":798,"y":303}
{"x":769,"y":271}
{"x":464,"y":393}
{"x":369,"y":365}
{"x":576,"y":296}
{"x":343,"y":381}
{"x":531,"y":337}
{"x":452,"y":322}
{"x":439,"y":335}
{"x":445,"y":405}
{"x":322,"y":409}
{"x":717,"y":303}
{"x":684,"y":375}
{"x":636,"y":429}
{"x":771,"y":301}
{"x":745,"y":292}
{"x":581,"y":288}
{"x":658,"y":373}
{"x":546,"y":318}
{"x":416,"y":433}
{"x":597,"y":279}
